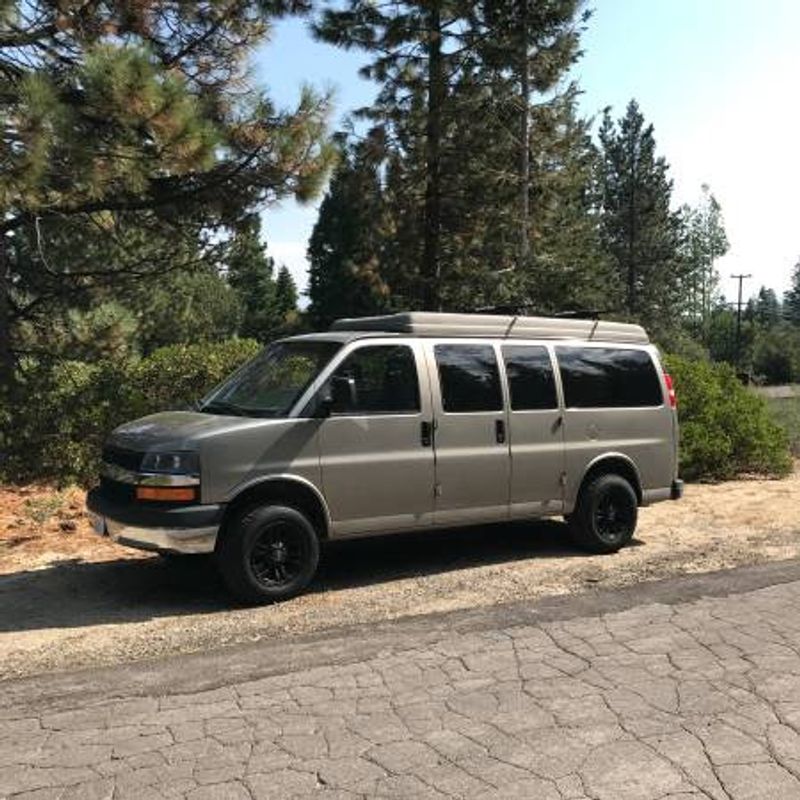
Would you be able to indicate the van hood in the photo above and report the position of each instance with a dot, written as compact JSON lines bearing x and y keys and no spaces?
{"x":180,"y":430}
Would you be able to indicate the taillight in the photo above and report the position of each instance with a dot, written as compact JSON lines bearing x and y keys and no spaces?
{"x":673,"y":399}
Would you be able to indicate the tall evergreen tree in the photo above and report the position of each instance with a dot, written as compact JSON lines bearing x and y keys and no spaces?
{"x":641,"y":232}
{"x":250,"y":273}
{"x":346,"y":249}
{"x":704,"y":241}
{"x":791,"y":298}
{"x":450,"y":113}
{"x":530,"y":46}
{"x":412,"y":44}
{"x":766,"y":308}
{"x":285,"y":295}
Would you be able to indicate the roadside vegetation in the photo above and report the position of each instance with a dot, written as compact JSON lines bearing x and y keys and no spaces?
{"x":143,"y":155}
{"x":785,"y":411}
{"x":725,"y":428}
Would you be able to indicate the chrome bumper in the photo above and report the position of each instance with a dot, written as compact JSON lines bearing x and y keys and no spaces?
{"x":173,"y":540}
{"x":178,"y":529}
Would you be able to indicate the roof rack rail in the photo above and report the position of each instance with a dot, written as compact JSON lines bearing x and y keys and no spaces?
{"x":530,"y":311}
{"x":502,"y":326}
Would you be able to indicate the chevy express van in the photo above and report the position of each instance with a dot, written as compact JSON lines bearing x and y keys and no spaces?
{"x":398,"y":423}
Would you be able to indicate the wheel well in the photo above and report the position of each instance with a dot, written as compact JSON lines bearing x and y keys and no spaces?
{"x":288,"y":492}
{"x":617,"y":466}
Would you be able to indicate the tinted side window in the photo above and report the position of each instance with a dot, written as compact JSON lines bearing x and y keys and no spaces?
{"x":530,"y":377}
{"x":383,"y":379}
{"x":597,"y":377}
{"x":469,"y":377}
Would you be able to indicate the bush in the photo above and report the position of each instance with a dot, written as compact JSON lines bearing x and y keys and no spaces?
{"x":62,"y":413}
{"x":776,"y":357}
{"x":726,"y":430}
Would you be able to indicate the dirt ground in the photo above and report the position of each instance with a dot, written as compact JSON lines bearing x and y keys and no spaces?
{"x":70,"y":599}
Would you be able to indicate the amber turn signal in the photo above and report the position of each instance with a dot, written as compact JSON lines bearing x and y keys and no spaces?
{"x":168,"y":493}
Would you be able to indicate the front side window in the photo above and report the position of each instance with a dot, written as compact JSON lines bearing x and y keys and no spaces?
{"x":469,"y":378}
{"x":270,"y":384}
{"x":599,"y":377}
{"x":381,"y":379}
{"x":530,"y":378}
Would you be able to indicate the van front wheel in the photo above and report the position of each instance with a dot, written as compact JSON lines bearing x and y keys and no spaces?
{"x":604,"y":519}
{"x":268,"y":553}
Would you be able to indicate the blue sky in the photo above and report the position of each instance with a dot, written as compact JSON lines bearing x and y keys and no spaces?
{"x":717,"y":78}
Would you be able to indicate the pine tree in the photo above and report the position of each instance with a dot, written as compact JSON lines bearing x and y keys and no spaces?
{"x":766,"y":308}
{"x":250,"y":273}
{"x":704,"y":241}
{"x":526,"y":48}
{"x":410,"y":43}
{"x":449,"y":115}
{"x":135,"y":115}
{"x":641,"y":233}
{"x":285,"y":295}
{"x":791,"y":298}
{"x":345,"y":251}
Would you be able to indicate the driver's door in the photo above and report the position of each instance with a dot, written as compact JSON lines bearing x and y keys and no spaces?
{"x":376,"y":449}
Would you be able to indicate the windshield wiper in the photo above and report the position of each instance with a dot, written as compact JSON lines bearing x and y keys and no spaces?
{"x":223,"y":407}
{"x":226,"y":407}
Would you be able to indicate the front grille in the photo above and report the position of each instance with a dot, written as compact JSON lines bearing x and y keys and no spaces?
{"x":128,"y":459}
{"x":116,"y":491}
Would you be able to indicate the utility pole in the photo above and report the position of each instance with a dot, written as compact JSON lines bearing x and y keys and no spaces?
{"x":741,"y":279}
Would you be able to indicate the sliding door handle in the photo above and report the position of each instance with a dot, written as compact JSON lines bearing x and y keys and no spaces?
{"x":500,"y":431}
{"x":426,"y":433}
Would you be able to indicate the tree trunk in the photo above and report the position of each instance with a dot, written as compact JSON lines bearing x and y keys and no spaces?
{"x":6,"y":354}
{"x":632,"y":266}
{"x":525,"y":140}
{"x":431,"y":266}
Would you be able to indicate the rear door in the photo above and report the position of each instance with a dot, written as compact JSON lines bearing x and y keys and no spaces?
{"x":536,"y":431}
{"x":376,"y":459}
{"x":471,"y":432}
{"x":614,"y":404}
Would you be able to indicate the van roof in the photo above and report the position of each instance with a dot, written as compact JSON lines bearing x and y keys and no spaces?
{"x":427,"y":323}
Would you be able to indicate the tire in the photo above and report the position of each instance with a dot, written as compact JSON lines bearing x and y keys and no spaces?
{"x":268,"y":553}
{"x":605,"y":516}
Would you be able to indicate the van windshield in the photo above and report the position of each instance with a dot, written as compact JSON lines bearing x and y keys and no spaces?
{"x":270,"y":384}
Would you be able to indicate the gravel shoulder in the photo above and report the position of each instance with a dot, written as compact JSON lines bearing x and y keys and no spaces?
{"x":68,"y":600}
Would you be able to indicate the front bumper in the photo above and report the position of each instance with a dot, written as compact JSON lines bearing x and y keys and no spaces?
{"x":174,"y":529}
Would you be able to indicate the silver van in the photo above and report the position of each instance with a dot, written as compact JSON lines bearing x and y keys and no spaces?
{"x":398,"y":423}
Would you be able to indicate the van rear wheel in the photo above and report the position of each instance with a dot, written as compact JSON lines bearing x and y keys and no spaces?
{"x":268,"y":553}
{"x":605,"y":517}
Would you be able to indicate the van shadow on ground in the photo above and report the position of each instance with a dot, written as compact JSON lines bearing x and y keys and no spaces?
{"x":76,"y":594}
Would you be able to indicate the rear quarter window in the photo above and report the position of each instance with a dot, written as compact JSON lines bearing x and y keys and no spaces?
{"x":599,"y":377}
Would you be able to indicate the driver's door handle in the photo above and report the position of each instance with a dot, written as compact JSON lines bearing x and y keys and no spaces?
{"x":426,"y":433}
{"x":500,"y":431}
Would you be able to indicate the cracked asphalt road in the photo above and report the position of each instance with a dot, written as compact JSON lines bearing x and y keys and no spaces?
{"x":680,"y":689}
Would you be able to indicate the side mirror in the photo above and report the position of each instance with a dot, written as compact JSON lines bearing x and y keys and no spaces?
{"x":324,"y":402}
{"x":339,"y":394}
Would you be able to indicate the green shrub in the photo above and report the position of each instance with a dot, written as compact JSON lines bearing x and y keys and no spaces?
{"x":63,"y":412}
{"x":725,"y":429}
{"x":786,"y":412}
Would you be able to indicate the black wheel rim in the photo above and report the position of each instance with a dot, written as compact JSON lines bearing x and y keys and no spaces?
{"x":278,"y":555}
{"x":613,"y":516}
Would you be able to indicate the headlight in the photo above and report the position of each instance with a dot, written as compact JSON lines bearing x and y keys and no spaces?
{"x":181,"y":463}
